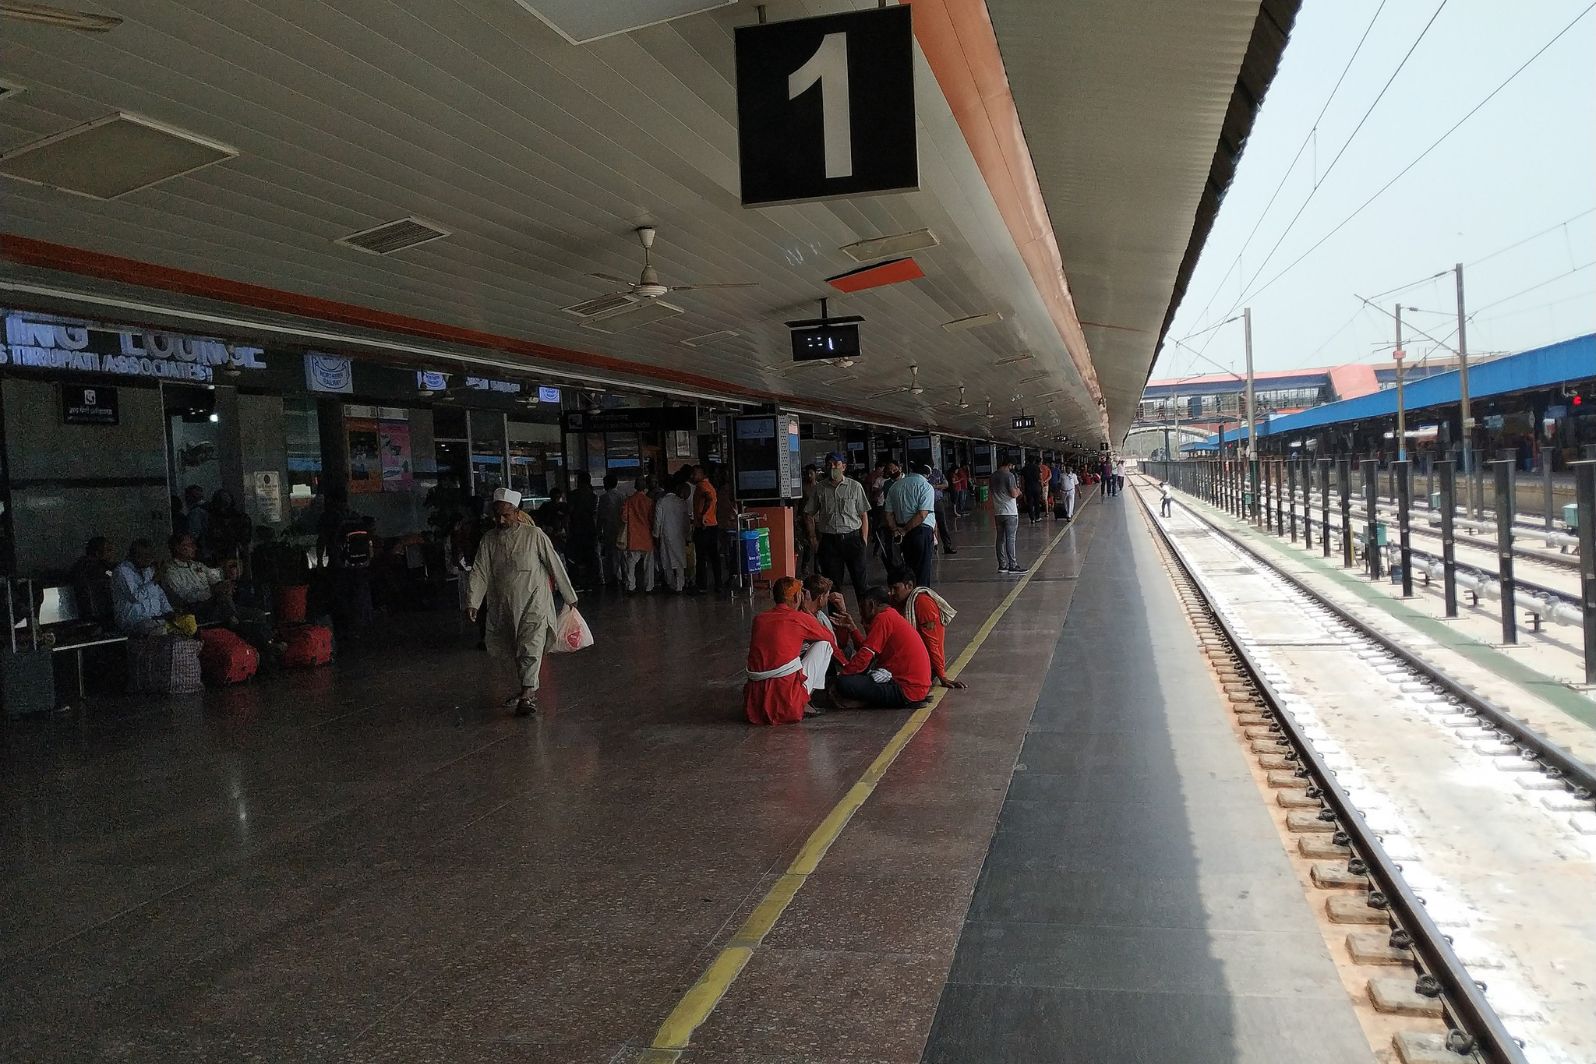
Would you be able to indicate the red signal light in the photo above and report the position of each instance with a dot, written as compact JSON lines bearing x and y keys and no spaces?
{"x":1578,"y":400}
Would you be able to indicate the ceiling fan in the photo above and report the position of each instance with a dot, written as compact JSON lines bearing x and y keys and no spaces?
{"x":647,"y":285}
{"x":960,"y":404}
{"x":913,"y":387}
{"x":60,"y":17}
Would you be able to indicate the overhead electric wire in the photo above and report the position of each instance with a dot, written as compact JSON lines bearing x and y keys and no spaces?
{"x":1531,"y":288}
{"x":1421,"y":156}
{"x":1533,"y":236}
{"x":1347,"y":143}
{"x":1308,"y":137}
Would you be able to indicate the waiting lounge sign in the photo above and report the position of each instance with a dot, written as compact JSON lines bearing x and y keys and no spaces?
{"x":42,"y":342}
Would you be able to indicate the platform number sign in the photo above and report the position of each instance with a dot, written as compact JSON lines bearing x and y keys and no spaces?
{"x":825,"y":107}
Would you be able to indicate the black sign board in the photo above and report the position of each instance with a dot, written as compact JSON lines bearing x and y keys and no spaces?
{"x":90,"y":404}
{"x":825,"y":107}
{"x":632,"y":419}
{"x":1025,"y":422}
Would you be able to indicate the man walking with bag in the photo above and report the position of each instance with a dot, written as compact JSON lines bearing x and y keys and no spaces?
{"x":510,"y":582}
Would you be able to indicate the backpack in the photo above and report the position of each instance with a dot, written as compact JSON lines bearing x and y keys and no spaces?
{"x":355,"y":551}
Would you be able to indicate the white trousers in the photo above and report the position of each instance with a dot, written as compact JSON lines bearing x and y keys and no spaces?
{"x":633,"y":559}
{"x":817,"y":659}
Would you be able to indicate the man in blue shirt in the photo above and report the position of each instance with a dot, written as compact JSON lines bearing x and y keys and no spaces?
{"x":139,"y":604}
{"x":911,"y":515}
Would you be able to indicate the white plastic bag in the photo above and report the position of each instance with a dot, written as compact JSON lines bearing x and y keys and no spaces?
{"x":571,"y":632}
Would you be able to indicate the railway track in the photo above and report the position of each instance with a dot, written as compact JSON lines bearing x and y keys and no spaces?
{"x":1435,"y":810}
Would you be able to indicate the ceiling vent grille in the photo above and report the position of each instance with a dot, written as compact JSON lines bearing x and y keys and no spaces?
{"x":710,"y":338}
{"x":974,"y":321}
{"x":887,"y":246}
{"x":601,"y":307}
{"x":389,"y":237}
{"x":112,"y":156}
{"x":642,"y":313}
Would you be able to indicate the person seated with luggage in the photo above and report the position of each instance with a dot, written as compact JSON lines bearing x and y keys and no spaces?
{"x":139,"y":603}
{"x":891,"y":668}
{"x":91,"y":584}
{"x":194,"y":587}
{"x":930,"y":613}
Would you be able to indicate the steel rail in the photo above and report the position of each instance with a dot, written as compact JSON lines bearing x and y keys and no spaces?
{"x":1476,"y":1025}
{"x":1576,"y":773}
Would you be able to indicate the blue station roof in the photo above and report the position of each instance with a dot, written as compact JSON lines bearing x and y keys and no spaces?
{"x":1543,"y":367}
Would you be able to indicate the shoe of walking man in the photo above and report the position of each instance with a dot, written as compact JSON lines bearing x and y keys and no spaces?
{"x":1005,"y":492}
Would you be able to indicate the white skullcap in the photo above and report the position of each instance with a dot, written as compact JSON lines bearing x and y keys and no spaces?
{"x":506,"y":495}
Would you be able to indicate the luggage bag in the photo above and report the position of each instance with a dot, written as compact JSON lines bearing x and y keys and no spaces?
{"x":164,"y":665}
{"x":308,"y":645}
{"x":27,"y":673}
{"x":225,"y":659}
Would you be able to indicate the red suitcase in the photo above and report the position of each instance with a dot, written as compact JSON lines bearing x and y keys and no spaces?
{"x":309,"y":645}
{"x":291,"y":604}
{"x":225,"y":659}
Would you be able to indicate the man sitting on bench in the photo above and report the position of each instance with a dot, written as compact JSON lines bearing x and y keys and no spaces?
{"x":194,"y":587}
{"x":141,"y":607}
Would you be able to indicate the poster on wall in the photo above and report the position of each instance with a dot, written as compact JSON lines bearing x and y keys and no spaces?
{"x":365,"y":459}
{"x":393,"y":442}
{"x":268,"y":489}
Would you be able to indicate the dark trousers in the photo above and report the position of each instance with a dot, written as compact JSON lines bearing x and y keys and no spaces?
{"x":891,"y":557}
{"x":861,"y":688}
{"x":706,"y":546}
{"x":919,"y":547}
{"x":841,"y":551}
{"x":1163,"y":506}
{"x":1033,"y":500}
{"x":944,"y":512}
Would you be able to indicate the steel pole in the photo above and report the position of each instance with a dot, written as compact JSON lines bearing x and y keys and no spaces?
{"x":1344,"y":486}
{"x":1324,"y":505}
{"x":1252,"y":420}
{"x":1402,"y":421}
{"x":1404,"y":487}
{"x":1585,"y":494}
{"x":1504,"y":546}
{"x":1448,"y":471}
{"x":1467,"y":418}
{"x":1371,"y":529}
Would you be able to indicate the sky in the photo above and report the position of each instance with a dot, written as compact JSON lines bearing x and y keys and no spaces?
{"x":1524,"y":164}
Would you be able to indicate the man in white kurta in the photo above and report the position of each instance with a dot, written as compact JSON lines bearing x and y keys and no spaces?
{"x":513,"y":579}
{"x":671,"y":521}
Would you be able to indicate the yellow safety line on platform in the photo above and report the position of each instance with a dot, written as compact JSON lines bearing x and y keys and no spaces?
{"x":673,"y":1036}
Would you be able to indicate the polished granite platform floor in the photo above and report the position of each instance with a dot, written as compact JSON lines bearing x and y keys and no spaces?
{"x":375,"y":862}
{"x":1136,"y":904}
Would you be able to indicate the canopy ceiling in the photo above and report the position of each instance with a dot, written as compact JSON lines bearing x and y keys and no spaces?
{"x":540,"y":157}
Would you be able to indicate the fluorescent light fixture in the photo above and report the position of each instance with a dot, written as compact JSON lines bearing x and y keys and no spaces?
{"x":887,"y":246}
{"x":974,"y":321}
{"x":112,"y":156}
{"x":583,"y":21}
{"x":1033,"y":379}
{"x":709,"y":338}
{"x":1013,"y":359}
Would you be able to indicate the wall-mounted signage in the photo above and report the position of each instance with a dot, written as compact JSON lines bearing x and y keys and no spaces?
{"x":1025,"y":422}
{"x":329,"y":373}
{"x":45,"y":342}
{"x":93,"y":404}
{"x":547,"y":394}
{"x":825,"y":107}
{"x":631,"y":419}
